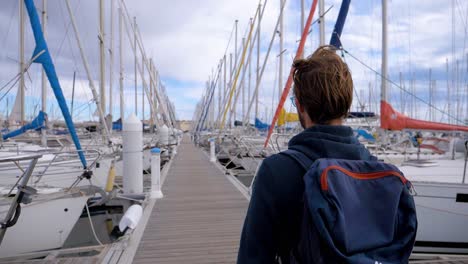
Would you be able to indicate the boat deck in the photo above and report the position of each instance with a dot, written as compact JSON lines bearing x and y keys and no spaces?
{"x":199,"y":220}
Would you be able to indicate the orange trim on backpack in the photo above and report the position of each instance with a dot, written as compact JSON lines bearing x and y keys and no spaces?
{"x":360,"y":176}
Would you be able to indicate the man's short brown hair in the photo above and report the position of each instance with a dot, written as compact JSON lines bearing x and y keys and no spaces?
{"x":323,"y":85}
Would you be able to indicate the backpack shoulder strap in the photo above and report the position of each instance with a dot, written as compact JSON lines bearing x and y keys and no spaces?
{"x":299,"y":157}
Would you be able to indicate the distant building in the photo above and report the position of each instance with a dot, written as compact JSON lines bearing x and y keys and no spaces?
{"x":185,"y":125}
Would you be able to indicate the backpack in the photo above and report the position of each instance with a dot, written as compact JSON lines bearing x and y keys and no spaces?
{"x":355,"y":212}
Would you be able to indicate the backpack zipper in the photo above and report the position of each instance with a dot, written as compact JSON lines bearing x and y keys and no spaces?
{"x":360,"y":176}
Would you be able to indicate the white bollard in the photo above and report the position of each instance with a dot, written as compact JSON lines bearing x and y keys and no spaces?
{"x":156,"y":173}
{"x":164,"y":135}
{"x":212,"y":150}
{"x":132,"y":133}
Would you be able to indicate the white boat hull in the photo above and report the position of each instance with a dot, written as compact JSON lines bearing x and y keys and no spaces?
{"x":442,"y":210}
{"x":42,"y":225}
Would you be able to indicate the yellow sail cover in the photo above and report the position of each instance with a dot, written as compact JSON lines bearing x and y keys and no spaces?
{"x":285,"y":117}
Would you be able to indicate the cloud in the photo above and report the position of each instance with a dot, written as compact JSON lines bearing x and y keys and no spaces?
{"x":186,"y":40}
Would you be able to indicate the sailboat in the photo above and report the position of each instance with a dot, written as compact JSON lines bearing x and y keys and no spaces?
{"x":39,"y":215}
{"x":442,"y":207}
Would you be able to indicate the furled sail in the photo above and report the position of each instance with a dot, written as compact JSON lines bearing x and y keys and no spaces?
{"x":286,"y":117}
{"x":15,"y":114}
{"x":393,"y":120}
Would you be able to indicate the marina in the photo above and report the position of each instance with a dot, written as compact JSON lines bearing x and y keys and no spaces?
{"x":108,"y":155}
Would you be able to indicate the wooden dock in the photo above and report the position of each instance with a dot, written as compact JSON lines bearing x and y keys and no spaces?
{"x":200,"y":218}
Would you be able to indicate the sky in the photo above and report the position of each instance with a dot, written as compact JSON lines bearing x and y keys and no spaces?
{"x":186,"y":40}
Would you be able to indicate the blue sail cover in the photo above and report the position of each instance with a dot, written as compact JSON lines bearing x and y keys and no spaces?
{"x":117,"y":125}
{"x":46,"y":60}
{"x":37,"y":123}
{"x":260,"y":125}
{"x":340,"y":21}
{"x":366,"y":135}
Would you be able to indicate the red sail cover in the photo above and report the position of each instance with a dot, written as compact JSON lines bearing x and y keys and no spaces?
{"x":392,"y":120}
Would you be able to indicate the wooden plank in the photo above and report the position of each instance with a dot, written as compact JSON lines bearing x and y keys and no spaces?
{"x":200,"y":218}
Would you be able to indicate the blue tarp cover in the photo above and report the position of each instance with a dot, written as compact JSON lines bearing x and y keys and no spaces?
{"x":37,"y":123}
{"x":46,"y":60}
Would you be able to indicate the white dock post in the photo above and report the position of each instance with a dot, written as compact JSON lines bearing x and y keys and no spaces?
{"x":132,"y":133}
{"x":156,"y":173}
{"x":212,"y":150}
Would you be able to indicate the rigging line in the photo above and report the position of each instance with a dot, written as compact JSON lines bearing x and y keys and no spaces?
{"x":92,"y":226}
{"x":355,"y":92}
{"x":13,"y":85}
{"x":401,"y":88}
{"x":16,"y":76}
{"x":23,"y":71}
{"x":230,"y":39}
{"x":464,"y":22}
{"x":317,"y":20}
{"x":67,"y":36}
{"x":67,"y":27}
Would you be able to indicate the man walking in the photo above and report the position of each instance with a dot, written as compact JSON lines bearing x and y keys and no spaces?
{"x":323,"y":89}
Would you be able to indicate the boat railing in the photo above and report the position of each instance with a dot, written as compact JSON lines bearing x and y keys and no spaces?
{"x":275,"y":141}
{"x":54,"y":163}
{"x":60,"y":160}
{"x":23,"y":190}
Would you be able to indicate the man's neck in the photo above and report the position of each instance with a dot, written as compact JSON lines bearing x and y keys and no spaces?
{"x":334,"y":122}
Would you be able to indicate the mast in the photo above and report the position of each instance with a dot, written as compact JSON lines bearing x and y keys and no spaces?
{"x":235,"y":45}
{"x":321,"y":22}
{"x":370,"y":97}
{"x":224,"y":78}
{"x":136,"y":62}
{"x":102,"y":76}
{"x":143,"y":90}
{"x":383,"y":95}
{"x":230,"y":80}
{"x":257,"y":82}
{"x":281,"y":44}
{"x":88,"y":73}
{"x":249,"y":86}
{"x":220,"y":87}
{"x":448,"y":90}
{"x":151,"y":85}
{"x":430,"y":94}
{"x":73,"y":94}
{"x":287,"y":88}
{"x":121,"y":68}
{"x":434,"y":91}
{"x":234,"y":68}
{"x":302,"y":15}
{"x":457,"y":91}
{"x":111,"y":61}
{"x":400,"y":74}
{"x":21,"y":60}
{"x":44,"y":77}
{"x":243,"y":84}
{"x":155,"y":90}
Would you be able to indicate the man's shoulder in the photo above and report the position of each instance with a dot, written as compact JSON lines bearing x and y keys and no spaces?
{"x":283,"y":176}
{"x":280,"y":166}
{"x":280,"y":160}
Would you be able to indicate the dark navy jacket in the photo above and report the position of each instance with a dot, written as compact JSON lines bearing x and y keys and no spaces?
{"x":271,"y":227}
